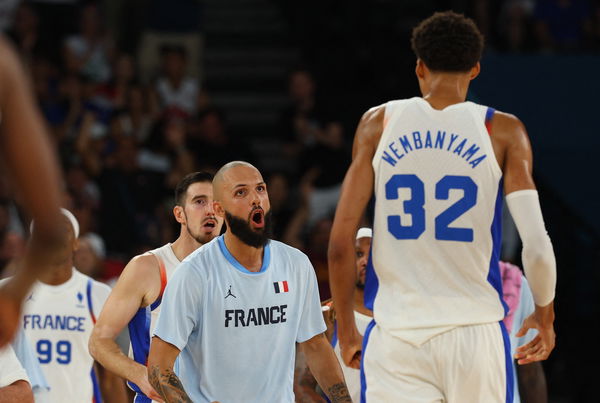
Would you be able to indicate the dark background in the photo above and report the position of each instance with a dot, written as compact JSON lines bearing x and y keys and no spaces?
{"x":283,"y":85}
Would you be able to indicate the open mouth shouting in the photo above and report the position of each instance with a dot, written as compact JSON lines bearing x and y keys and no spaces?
{"x":209,"y":224}
{"x":257,"y":218}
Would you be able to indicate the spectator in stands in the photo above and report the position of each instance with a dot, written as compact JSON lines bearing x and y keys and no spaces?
{"x":300,"y":121}
{"x":282,"y":205}
{"x":324,"y":166}
{"x":515,"y":20}
{"x":211,"y":143}
{"x":89,"y":258}
{"x":116,"y":91}
{"x":130,"y":197}
{"x":89,"y":52}
{"x":166,"y":152}
{"x":177,"y":93}
{"x":25,"y":34}
{"x":140,"y":114}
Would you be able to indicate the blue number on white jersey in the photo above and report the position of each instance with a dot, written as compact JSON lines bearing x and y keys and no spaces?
{"x":415,"y":207}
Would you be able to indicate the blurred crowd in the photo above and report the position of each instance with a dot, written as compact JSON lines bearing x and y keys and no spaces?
{"x":129,"y":117}
{"x":128,"y":130}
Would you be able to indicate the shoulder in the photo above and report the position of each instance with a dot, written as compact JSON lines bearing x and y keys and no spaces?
{"x":280,"y":250}
{"x":141,"y":268}
{"x":206,"y":251}
{"x":200,"y":262}
{"x":141,"y":274}
{"x":503,"y":121}
{"x":369,"y":130}
{"x":507,"y":127}
{"x":372,"y":119}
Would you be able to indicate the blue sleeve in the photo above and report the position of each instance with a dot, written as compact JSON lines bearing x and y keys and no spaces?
{"x":311,"y":321}
{"x":525,"y":308}
{"x":180,"y":309}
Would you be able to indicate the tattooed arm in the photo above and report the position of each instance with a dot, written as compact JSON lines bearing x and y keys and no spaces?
{"x":326,"y":369}
{"x":160,"y":372}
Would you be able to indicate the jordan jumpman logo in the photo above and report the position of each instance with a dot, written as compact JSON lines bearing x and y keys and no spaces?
{"x":229,"y":294}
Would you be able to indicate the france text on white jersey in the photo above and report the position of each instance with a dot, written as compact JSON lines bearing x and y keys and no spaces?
{"x":142,"y":324}
{"x":237,"y":330}
{"x":351,"y":375}
{"x":436,"y":235}
{"x":58,"y":321}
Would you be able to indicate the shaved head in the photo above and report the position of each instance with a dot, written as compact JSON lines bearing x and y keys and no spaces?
{"x":241,"y":198}
{"x":221,"y":178}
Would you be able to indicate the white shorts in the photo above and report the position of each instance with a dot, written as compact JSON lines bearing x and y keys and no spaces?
{"x":466,"y":364}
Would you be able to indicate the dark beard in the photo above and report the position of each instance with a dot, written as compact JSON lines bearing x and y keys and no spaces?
{"x":241,"y":229}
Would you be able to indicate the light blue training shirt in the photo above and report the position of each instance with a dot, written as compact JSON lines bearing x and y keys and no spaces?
{"x":525,"y":308}
{"x":237,"y":330}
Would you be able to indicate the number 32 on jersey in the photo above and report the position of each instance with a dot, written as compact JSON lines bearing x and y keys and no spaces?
{"x":415,"y":207}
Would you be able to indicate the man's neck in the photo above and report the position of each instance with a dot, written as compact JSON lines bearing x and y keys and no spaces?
{"x":184,"y":245}
{"x":359,"y":302}
{"x":58,"y":274}
{"x":446,"y":90}
{"x":249,"y":257}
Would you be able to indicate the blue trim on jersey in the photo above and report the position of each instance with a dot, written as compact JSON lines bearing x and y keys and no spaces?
{"x":88,"y":291}
{"x":363,"y":379}
{"x":238,"y":265}
{"x":371,"y":280}
{"x":334,"y":336}
{"x":139,"y":334}
{"x":156,"y":303}
{"x":510,"y":386}
{"x":494,"y":277}
{"x":141,"y":398}
{"x":96,"y":387}
{"x":489,"y":114}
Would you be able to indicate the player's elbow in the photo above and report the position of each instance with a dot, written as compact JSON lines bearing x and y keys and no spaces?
{"x":95,"y":344}
{"x":334,"y":252}
{"x":338,"y":248}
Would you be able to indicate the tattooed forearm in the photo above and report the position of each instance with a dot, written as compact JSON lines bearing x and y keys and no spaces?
{"x":338,"y":393}
{"x":168,"y":386}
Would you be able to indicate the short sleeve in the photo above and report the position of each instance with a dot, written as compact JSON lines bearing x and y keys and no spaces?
{"x":181,"y":306}
{"x":11,"y":369}
{"x":526,"y":307}
{"x":30,"y":362}
{"x":311,"y":320}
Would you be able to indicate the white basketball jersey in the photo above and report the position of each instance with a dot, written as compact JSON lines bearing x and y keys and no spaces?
{"x":58,"y":321}
{"x":351,"y":375}
{"x":436,"y":234}
{"x":142,"y":324}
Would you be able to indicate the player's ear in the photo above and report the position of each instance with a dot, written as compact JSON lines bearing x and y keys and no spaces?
{"x":218,"y":208}
{"x":178,"y":213}
{"x":475,"y":70}
{"x":420,"y":69}
{"x":75,"y":244}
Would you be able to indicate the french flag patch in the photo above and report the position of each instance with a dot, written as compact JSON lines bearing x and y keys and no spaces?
{"x":281,"y":286}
